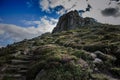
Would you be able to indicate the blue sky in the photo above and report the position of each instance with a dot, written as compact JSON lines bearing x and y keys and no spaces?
{"x":25,"y":19}
{"x":14,"y":11}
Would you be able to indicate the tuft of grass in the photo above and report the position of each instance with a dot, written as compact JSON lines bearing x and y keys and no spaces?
{"x":115,"y":71}
{"x":99,"y":76}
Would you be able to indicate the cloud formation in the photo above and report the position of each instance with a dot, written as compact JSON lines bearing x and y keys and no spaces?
{"x":96,"y":12}
{"x":115,"y":12}
{"x":17,"y":33}
{"x":97,"y":9}
{"x":67,"y":5}
{"x":113,"y":9}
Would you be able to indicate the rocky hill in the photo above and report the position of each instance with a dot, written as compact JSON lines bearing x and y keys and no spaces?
{"x":72,"y":20}
{"x":72,"y":52}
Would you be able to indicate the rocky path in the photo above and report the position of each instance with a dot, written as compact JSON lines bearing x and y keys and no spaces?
{"x":17,"y":68}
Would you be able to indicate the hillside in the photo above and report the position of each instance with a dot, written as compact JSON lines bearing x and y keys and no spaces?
{"x":90,"y":52}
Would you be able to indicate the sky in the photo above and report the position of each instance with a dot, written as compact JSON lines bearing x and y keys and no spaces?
{"x":26,"y":19}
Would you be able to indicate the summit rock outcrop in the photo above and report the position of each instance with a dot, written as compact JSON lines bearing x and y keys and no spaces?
{"x":72,"y":20}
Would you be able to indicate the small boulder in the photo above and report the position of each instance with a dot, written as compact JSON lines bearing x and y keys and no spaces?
{"x":93,"y":56}
{"x":104,"y":57}
{"x":100,"y":55}
{"x":40,"y":75}
{"x":97,"y":61}
{"x":82,"y":63}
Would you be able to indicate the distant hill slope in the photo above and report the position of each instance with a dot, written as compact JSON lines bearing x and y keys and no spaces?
{"x":91,"y":52}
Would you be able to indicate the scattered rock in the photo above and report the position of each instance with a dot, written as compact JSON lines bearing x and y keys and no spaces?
{"x":83,"y":63}
{"x":99,"y":53}
{"x":93,"y":56}
{"x":26,"y":51}
{"x":97,"y":61}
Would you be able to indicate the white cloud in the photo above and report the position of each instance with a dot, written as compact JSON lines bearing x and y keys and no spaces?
{"x":30,"y":22}
{"x":67,"y":4}
{"x":99,"y":5}
{"x":45,"y":24}
{"x":45,"y":5}
{"x":18,"y":33}
{"x":95,"y":12}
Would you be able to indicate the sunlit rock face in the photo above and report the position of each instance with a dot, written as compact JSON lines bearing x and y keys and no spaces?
{"x":72,"y":20}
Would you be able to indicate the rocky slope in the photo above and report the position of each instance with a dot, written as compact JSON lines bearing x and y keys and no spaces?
{"x":91,"y":52}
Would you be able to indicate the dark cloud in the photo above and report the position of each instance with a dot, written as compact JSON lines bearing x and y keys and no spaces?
{"x":111,"y":12}
{"x":118,"y":3}
{"x":115,"y":0}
